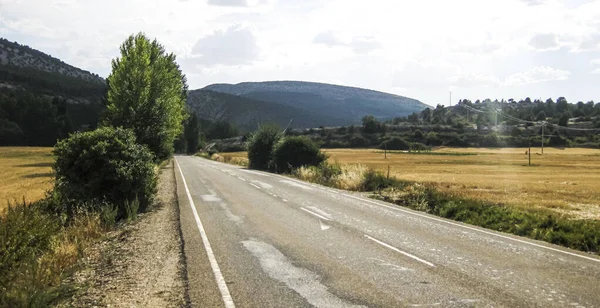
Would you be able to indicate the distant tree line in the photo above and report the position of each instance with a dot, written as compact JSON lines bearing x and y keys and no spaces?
{"x":52,"y":83}
{"x":480,"y":124}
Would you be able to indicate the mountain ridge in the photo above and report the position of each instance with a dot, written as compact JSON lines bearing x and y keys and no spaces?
{"x":349,"y":104}
{"x":23,"y":56}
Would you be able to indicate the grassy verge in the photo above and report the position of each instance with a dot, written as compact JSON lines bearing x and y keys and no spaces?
{"x":539,"y":224}
{"x":38,"y":249}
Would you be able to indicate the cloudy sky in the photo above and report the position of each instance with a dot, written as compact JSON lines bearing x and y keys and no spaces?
{"x":420,"y":49}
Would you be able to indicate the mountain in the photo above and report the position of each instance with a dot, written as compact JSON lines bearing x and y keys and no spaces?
{"x":338,"y":104}
{"x":247,"y":113}
{"x":24,"y":57}
{"x":43,"y":99}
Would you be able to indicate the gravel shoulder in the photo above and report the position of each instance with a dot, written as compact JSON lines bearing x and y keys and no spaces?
{"x":140,"y":264}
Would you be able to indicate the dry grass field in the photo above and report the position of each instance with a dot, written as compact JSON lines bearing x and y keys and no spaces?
{"x":565,"y":180}
{"x":24,"y":172}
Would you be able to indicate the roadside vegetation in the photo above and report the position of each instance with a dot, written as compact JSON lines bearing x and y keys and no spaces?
{"x":101,"y":177}
{"x":308,"y":163}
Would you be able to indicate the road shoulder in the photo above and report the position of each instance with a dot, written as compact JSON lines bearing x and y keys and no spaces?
{"x":140,"y":264}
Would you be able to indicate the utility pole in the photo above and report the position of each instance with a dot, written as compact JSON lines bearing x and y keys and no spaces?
{"x":385,"y":151}
{"x":529,"y":151}
{"x":450,"y":98}
{"x":543,"y":125}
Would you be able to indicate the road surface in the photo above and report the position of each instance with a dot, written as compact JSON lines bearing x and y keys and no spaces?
{"x":254,"y":239}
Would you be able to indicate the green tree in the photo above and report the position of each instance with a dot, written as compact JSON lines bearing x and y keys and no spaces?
{"x":147,"y":93}
{"x":564,"y":120}
{"x":541,"y":116}
{"x":261,"y":145}
{"x":192,"y":134}
{"x":296,"y":151}
{"x":370,"y":125}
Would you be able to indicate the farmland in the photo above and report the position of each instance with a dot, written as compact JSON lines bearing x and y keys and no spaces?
{"x":564,"y":180}
{"x":25,"y":172}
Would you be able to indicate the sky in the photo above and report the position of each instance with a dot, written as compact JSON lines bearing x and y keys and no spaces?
{"x":477,"y":49}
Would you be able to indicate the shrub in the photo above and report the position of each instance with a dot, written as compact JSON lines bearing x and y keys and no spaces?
{"x":351,"y":177}
{"x":324,"y":173}
{"x":359,"y":141}
{"x":395,"y":143}
{"x":260,"y":146}
{"x":106,"y":165}
{"x":294,"y":152}
{"x":373,"y":181}
{"x":419,"y":147}
{"x":37,"y":248}
{"x":25,"y":232}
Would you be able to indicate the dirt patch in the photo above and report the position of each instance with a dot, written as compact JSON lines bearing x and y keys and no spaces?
{"x":139,"y":265}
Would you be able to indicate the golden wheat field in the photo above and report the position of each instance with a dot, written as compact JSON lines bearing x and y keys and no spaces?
{"x":24,"y":172}
{"x":565,"y":180}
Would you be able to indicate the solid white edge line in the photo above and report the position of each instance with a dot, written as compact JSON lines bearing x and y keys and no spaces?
{"x":472,"y":228}
{"x":399,"y":251}
{"x":225,"y":295}
{"x":315,"y":214}
{"x":398,"y":208}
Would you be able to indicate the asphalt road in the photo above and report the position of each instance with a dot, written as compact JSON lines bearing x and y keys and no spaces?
{"x":255,"y":239}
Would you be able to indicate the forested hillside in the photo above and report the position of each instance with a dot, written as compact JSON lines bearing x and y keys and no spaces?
{"x":43,"y":99}
{"x":247,"y":113}
{"x":338,"y":104}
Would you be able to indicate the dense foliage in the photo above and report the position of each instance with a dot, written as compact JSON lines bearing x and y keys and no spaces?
{"x":29,"y":119}
{"x":147,"y":93}
{"x":294,"y":152}
{"x":191,"y":134}
{"x":106,"y":165}
{"x":43,"y":99}
{"x":260,"y":146}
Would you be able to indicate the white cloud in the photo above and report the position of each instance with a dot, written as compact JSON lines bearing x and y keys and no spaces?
{"x":596,"y":71}
{"x":238,"y":3}
{"x":536,"y":75}
{"x":228,"y":2}
{"x":236,"y":45}
{"x":364,"y":44}
{"x":595,"y":61}
{"x":474,"y":79}
{"x":414,"y":48}
{"x":328,"y":38}
{"x":544,"y":41}
{"x":359,"y":44}
{"x":534,"y":2}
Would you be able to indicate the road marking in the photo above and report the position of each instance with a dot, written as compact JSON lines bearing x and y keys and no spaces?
{"x":305,"y":283}
{"x":315,"y":214}
{"x":398,"y":208}
{"x":241,"y":178}
{"x":255,"y":185}
{"x":323,"y":226}
{"x":284,"y":200}
{"x":472,"y":228}
{"x":263,"y":185}
{"x":210,"y":198}
{"x":225,"y":295}
{"x":400,"y":251}
{"x":296,"y":184}
{"x":319,"y":211}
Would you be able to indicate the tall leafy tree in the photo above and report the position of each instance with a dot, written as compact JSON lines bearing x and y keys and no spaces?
{"x":192,"y":134}
{"x":147,"y":93}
